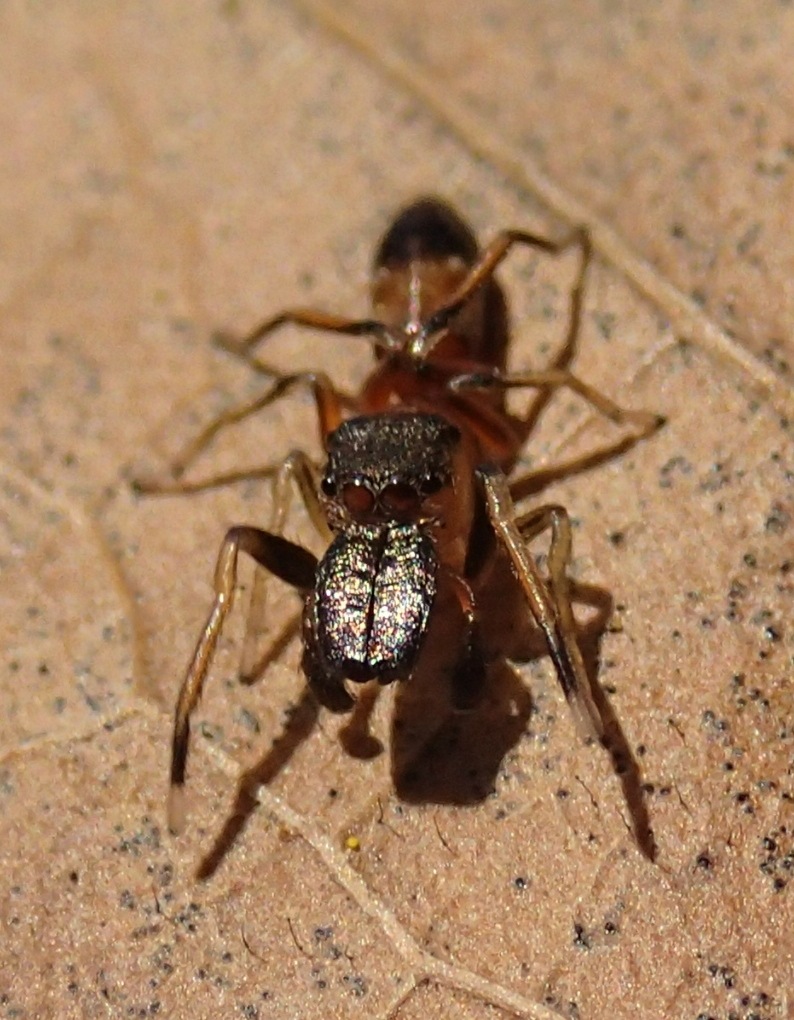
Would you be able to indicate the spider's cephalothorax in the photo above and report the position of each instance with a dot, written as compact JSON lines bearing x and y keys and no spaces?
{"x":387,"y":467}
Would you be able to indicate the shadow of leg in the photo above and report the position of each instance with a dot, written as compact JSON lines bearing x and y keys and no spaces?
{"x":355,"y":736}
{"x":628,"y":771}
{"x":297,"y":729}
{"x":614,"y":740}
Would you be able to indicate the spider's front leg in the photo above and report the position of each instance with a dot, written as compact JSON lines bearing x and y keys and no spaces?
{"x":549,"y":602}
{"x":292,"y":564}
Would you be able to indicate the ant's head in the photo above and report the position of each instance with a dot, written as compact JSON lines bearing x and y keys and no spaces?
{"x":422,"y":259}
{"x":389,"y":468}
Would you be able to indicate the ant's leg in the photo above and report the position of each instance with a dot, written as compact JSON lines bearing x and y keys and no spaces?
{"x":536,"y":481}
{"x":487,"y":264}
{"x":294,"y":565}
{"x":550,"y":603}
{"x":566,"y":353}
{"x":568,"y":349}
{"x":329,"y":402}
{"x":297,"y":472}
{"x":171,"y":482}
{"x":643,"y":423}
{"x":326,"y":322}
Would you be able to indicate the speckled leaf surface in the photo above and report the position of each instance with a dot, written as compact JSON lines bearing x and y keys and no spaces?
{"x":171,"y":170}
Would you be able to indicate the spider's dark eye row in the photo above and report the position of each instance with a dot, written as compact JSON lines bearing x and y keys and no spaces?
{"x":399,"y":498}
{"x":396,"y":493}
{"x":358,"y":498}
{"x":431,"y":484}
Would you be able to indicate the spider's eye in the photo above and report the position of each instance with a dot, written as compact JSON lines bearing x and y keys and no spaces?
{"x":358,"y":498}
{"x":431,"y":484}
{"x":328,"y":487}
{"x":399,"y":498}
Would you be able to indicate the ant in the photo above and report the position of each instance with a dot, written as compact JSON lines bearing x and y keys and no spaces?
{"x":414,"y":499}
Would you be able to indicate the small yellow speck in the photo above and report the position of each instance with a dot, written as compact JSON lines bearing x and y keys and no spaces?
{"x":353,"y":843}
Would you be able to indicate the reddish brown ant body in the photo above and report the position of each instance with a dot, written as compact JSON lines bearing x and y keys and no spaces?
{"x":414,"y":498}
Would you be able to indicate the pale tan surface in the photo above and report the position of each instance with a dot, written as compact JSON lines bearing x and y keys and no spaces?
{"x":166,"y":173}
